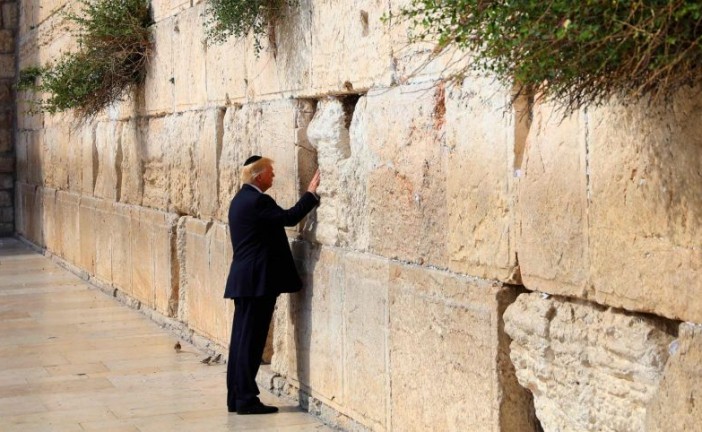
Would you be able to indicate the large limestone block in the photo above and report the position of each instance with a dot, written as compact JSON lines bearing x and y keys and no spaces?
{"x":159,"y":86}
{"x":206,"y":254}
{"x":313,"y":347}
{"x":132,"y":180}
{"x":552,"y":220}
{"x":226,"y":73}
{"x":480,"y":185}
{"x":56,"y":142}
{"x":366,"y":380}
{"x":68,"y":212}
{"x":675,"y":407}
{"x":121,"y":261}
{"x":281,"y":67}
{"x":109,"y":154}
{"x":589,"y":368}
{"x":189,"y":72}
{"x":235,"y":150}
{"x":88,"y":159}
{"x":49,"y":219}
{"x":194,"y":155}
{"x":646,"y":212}
{"x":103,"y":217}
{"x":331,"y":338}
{"x":89,"y":228}
{"x":30,"y":213}
{"x":25,"y":142}
{"x":156,"y":156}
{"x":353,"y":53}
{"x":444,"y":341}
{"x":406,"y":189}
{"x":152,"y":248}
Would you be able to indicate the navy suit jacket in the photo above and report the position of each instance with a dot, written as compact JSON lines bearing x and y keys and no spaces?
{"x":263,"y":264}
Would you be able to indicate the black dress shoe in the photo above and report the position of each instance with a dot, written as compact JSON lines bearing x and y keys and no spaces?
{"x":257,"y":408}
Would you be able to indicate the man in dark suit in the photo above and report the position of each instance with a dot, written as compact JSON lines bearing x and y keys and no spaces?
{"x":262,"y":268}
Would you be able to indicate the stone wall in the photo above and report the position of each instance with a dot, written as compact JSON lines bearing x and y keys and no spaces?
{"x":8,"y":30}
{"x":472,"y":266}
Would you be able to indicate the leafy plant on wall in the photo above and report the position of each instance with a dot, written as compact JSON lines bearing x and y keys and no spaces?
{"x":238,"y":18}
{"x":576,"y":53}
{"x":114,"y":47}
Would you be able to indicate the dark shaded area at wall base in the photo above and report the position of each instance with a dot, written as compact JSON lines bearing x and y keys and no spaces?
{"x":8,"y":29}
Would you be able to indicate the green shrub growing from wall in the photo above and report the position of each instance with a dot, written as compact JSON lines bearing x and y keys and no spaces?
{"x":574,"y":52}
{"x":238,"y":18}
{"x":114,"y":42}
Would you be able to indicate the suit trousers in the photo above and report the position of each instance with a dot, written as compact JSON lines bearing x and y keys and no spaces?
{"x":252,"y":318}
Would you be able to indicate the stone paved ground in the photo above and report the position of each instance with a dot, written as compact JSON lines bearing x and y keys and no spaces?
{"x":74,"y":359}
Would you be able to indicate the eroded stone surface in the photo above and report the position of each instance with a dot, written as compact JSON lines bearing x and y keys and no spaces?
{"x":206,"y":257}
{"x":552,"y":210}
{"x":589,"y":368}
{"x":676,"y":405}
{"x":443,"y":345}
{"x":646,"y":212}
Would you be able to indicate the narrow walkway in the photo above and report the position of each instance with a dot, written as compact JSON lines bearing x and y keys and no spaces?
{"x":74,"y":359}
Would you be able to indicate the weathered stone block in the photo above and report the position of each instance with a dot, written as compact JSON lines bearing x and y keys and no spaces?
{"x":56,"y":142}
{"x":7,"y":164}
{"x":7,"y":215}
{"x":444,"y":342}
{"x":151,"y":247}
{"x":366,"y":380}
{"x":30,"y":213}
{"x":160,"y":81}
{"x":646,"y":207}
{"x":109,"y":156}
{"x":189,"y":71}
{"x":235,"y":150}
{"x":49,"y":220}
{"x":552,"y":209}
{"x":316,"y":314}
{"x":5,"y":198}
{"x":104,"y":212}
{"x":155,"y":159}
{"x":226,"y":72}
{"x":10,"y":15}
{"x":340,"y":314}
{"x":407,"y":178}
{"x":675,"y":407}
{"x":284,"y":66}
{"x":6,"y":181}
{"x":121,"y":255}
{"x":480,"y":187}
{"x":589,"y":368}
{"x":132,"y":179}
{"x":6,"y":142}
{"x":206,"y":250}
{"x":360,"y":56}
{"x":7,"y":42}
{"x":7,"y":65}
{"x":88,"y":160}
{"x":90,"y":228}
{"x":194,"y":158}
{"x":67,"y":210}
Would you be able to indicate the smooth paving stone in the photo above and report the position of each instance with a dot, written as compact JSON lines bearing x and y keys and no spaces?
{"x":74,"y":359}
